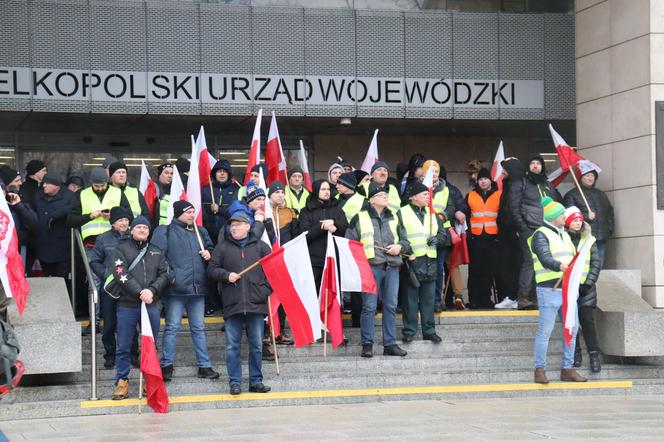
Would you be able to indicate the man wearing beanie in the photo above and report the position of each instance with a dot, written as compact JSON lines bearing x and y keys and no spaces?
{"x":254,"y":177}
{"x":581,"y":232}
{"x":140,"y":272}
{"x":351,"y":202}
{"x":527,"y":213}
{"x":101,"y":263}
{"x":423,"y":232}
{"x":164,"y":180}
{"x":35,"y":171}
{"x":215,"y":207}
{"x":552,"y":250}
{"x":296,"y":193}
{"x":377,"y":228}
{"x":380,"y":174}
{"x":118,"y":178}
{"x":179,"y":241}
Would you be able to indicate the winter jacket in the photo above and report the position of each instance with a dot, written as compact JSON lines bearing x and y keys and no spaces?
{"x":179,"y":243}
{"x":151,"y":272}
{"x":425,"y":268}
{"x":588,"y":290}
{"x":101,"y":255}
{"x":25,"y":222}
{"x":224,"y":194}
{"x":248,"y":294}
{"x":540,"y":246}
{"x":603,"y":223}
{"x":53,"y":234}
{"x":383,"y":236}
{"x":506,"y":222}
{"x":289,"y":224}
{"x":29,"y":190}
{"x":525,"y":200}
{"x":76,"y":218}
{"x":310,"y":217}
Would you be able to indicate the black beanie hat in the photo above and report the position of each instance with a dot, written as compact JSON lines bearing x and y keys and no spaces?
{"x":277,"y":185}
{"x":140,"y":220}
{"x":53,"y":178}
{"x":179,"y":207}
{"x":119,"y":213}
{"x":360,"y":175}
{"x":416,"y":187}
{"x":348,"y":179}
{"x":295,"y":169}
{"x":375,"y":189}
{"x":161,"y":168}
{"x":75,"y":179}
{"x":34,"y":166}
{"x":182,"y":165}
{"x":483,"y":173}
{"x":258,"y":167}
{"x":114,"y":167}
{"x":8,"y":174}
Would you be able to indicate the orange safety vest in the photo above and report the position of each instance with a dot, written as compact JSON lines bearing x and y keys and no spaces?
{"x":483,"y":214}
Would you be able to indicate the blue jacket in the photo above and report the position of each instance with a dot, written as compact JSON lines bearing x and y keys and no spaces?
{"x":101,"y":255}
{"x":181,"y":246}
{"x":224,"y":193}
{"x":52,"y":235}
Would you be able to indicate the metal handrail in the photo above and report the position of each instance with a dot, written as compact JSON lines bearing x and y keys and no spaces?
{"x":93,"y":309}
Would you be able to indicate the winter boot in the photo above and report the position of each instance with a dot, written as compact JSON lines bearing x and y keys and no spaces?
{"x":540,"y":376}
{"x":595,"y":362}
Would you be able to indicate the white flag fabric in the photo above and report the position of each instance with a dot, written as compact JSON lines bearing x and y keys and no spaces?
{"x":194,"y":184}
{"x":372,"y":154}
{"x":267,"y":209}
{"x":177,"y":193}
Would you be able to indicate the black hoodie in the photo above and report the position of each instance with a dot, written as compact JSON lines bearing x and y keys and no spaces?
{"x":514,"y":170}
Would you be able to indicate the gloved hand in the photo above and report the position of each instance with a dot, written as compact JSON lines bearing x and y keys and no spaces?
{"x":433,"y":241}
{"x":584,"y":288}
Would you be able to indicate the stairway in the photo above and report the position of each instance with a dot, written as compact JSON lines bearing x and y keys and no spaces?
{"x":483,"y":354}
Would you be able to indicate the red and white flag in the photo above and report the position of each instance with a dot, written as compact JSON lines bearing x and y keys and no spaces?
{"x":497,"y":168}
{"x":194,"y":184}
{"x":330,"y":292}
{"x":571,"y":282}
{"x":157,"y":396}
{"x":274,"y":155}
{"x":567,"y":157}
{"x":288,"y":269}
{"x":148,"y":188}
{"x":356,"y":274}
{"x":269,"y":214}
{"x":203,"y":155}
{"x":178,"y":193}
{"x":304,"y":165}
{"x":372,"y":154}
{"x":255,"y":150}
{"x":12,"y":271}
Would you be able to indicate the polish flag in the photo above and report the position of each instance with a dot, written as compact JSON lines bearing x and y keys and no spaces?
{"x":148,"y":188}
{"x":177,"y":193}
{"x":288,"y":269}
{"x":302,"y":159}
{"x":571,"y":282}
{"x":497,"y":168}
{"x":372,"y":154}
{"x":356,"y":274}
{"x":329,"y":290}
{"x":275,"y":302}
{"x":567,"y":157}
{"x":204,"y":163}
{"x":460,"y":254}
{"x":194,"y":184}
{"x":12,"y":270}
{"x":255,"y":151}
{"x":274,"y":155}
{"x":157,"y":396}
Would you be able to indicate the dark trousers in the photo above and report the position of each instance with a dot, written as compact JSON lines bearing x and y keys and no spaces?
{"x":526,"y":274}
{"x":128,"y":319}
{"x":419,"y":300}
{"x":58,"y":270}
{"x":109,"y":311}
{"x":481,"y":270}
{"x":509,"y":263}
{"x":587,"y":323}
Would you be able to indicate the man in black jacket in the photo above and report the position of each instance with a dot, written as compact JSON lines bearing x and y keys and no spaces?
{"x":527,"y":212}
{"x":144,"y":282}
{"x":245,"y":300}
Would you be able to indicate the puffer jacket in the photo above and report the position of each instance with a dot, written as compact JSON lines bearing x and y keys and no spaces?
{"x":525,"y":200}
{"x":178,"y":241}
{"x":151,"y":272}
{"x":540,"y":246}
{"x":588,"y":290}
{"x":248,"y":294}
{"x":603,"y":223}
{"x":383,"y":236}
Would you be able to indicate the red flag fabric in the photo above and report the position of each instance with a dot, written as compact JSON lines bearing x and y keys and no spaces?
{"x":148,"y":188}
{"x":567,"y":157}
{"x":204,"y":163}
{"x":255,"y":150}
{"x":356,"y":274}
{"x":157,"y":396}
{"x":329,"y":290}
{"x":12,"y":271}
{"x":288,"y":269}
{"x":274,"y":156}
{"x":571,"y":282}
{"x":302,"y":159}
{"x":460,"y":255}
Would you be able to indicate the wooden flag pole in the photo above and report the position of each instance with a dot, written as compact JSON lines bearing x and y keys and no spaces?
{"x":385,"y":250}
{"x":274,"y":341}
{"x":325,"y":324}
{"x":198,"y":236}
{"x":248,"y":269}
{"x":578,"y":186}
{"x":140,"y":391}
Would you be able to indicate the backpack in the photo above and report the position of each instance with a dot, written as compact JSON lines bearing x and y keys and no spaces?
{"x":9,"y":350}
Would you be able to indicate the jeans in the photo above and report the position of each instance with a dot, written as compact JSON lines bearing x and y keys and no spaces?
{"x":550,"y":303}
{"x":195,"y":306}
{"x":128,"y":319}
{"x":234,"y":327}
{"x":419,"y":300}
{"x":387,"y":283}
{"x":440,"y":274}
{"x":109,"y":311}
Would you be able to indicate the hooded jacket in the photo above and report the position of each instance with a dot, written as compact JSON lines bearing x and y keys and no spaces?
{"x":224,"y":195}
{"x":588,"y":290}
{"x":603,"y":223}
{"x":514,"y":169}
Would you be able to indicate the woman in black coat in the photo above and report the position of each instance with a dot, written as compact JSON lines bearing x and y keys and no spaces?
{"x":320,"y":215}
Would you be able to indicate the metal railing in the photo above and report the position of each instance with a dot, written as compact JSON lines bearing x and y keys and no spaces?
{"x":93,"y":295}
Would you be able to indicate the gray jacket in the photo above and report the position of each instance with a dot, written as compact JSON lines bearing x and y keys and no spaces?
{"x":383,"y":236}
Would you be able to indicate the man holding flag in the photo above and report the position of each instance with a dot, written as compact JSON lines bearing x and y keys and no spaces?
{"x":552,"y":251}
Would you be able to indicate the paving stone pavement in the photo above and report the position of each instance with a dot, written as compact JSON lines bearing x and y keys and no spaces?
{"x":569,"y":418}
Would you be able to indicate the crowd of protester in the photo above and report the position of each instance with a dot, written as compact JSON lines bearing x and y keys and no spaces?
{"x":521,"y":235}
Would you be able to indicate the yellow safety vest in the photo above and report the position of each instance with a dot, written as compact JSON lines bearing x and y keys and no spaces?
{"x":367,"y":232}
{"x":417,"y":232}
{"x":164,"y":202}
{"x":90,"y":202}
{"x":393,"y":198}
{"x":293,"y":202}
{"x":440,"y":202}
{"x":131,"y":193}
{"x":586,"y":265}
{"x":353,"y":205}
{"x":562,"y":250}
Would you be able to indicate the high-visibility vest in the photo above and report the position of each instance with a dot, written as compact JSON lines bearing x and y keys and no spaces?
{"x":90,"y":202}
{"x":293,"y":202}
{"x":353,"y":205}
{"x":586,"y":264}
{"x":367,"y":232}
{"x":417,"y":232}
{"x":562,"y":250}
{"x":483,"y":214}
{"x":393,"y":198}
{"x":440,"y":202}
{"x":164,"y":202}
{"x":131,"y":193}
